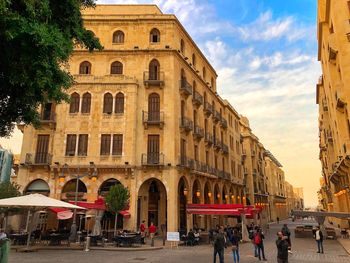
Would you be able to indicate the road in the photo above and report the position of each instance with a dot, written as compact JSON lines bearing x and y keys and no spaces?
{"x":304,"y":251}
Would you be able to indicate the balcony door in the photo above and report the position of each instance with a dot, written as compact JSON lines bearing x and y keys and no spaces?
{"x":154,"y":107}
{"x":42,"y":148}
{"x":154,"y":68}
{"x":47,"y":112}
{"x":153,"y":149}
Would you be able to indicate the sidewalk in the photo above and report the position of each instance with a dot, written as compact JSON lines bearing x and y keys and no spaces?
{"x":345,"y":242}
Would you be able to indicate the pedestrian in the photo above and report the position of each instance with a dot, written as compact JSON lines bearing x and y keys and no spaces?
{"x":258,"y":241}
{"x":143,"y":231}
{"x":282,"y":248}
{"x":152,"y":231}
{"x":3,"y":238}
{"x":219,"y":245}
{"x":234,"y":239}
{"x":278,"y":220}
{"x":285,"y":231}
{"x":252,"y":233}
{"x":319,"y":239}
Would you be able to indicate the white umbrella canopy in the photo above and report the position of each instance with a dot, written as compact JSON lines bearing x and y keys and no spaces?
{"x":36,"y":201}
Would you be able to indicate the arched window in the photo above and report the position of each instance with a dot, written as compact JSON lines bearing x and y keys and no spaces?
{"x":74,"y":103}
{"x":117,"y":68}
{"x":107,"y":103}
{"x":86,"y":103}
{"x":182,"y":46}
{"x":204,"y":73}
{"x":154,"y":35}
{"x":119,"y":103}
{"x":85,"y":68}
{"x":154,"y":70}
{"x":194,"y":60}
{"x":118,"y":37}
{"x":154,"y":107}
{"x":37,"y":186}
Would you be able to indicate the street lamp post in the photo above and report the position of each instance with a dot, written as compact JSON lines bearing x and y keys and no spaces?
{"x":77,"y":177}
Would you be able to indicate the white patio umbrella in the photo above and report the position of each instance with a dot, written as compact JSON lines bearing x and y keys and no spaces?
{"x":33,"y":202}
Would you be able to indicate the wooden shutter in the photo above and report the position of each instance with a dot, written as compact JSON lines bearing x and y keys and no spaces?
{"x":154,"y":107}
{"x":105,"y":144}
{"x":74,"y":103}
{"x":83,"y":145}
{"x":154,"y":70}
{"x":107,"y":103}
{"x":119,"y":103}
{"x":117,"y":148}
{"x":42,"y":148}
{"x":183,"y":151}
{"x":86,"y":103}
{"x":71,"y":144}
{"x":153,"y":149}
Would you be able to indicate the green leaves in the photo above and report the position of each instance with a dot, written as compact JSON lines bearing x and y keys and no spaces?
{"x":117,"y":198}
{"x":9,"y":189}
{"x":38,"y":37}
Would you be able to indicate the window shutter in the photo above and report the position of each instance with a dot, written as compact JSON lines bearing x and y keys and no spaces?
{"x":83,"y":145}
{"x":71,"y":143}
{"x":105,"y":144}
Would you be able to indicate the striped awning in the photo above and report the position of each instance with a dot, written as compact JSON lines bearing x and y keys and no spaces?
{"x":222,"y":209}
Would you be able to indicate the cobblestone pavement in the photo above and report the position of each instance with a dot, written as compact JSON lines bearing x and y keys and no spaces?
{"x":304,"y":251}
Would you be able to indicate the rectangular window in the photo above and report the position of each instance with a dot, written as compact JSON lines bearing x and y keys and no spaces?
{"x":117,"y":144}
{"x":42,"y":148}
{"x":105,"y":144}
{"x":82,"y":145}
{"x":71,"y":144}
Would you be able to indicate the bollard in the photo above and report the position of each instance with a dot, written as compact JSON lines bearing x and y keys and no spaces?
{"x":87,"y":244}
{"x":5,"y":249}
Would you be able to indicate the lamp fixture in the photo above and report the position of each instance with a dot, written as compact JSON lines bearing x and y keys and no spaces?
{"x":185,"y":191}
{"x":209,"y":194}
{"x":198,"y":193}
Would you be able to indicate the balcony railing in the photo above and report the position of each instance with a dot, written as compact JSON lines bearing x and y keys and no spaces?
{"x":197,"y":99}
{"x":208,"y":138}
{"x":186,"y":124}
{"x":152,"y":159}
{"x":153,"y":118}
{"x":224,"y":148}
{"x":153,"y":78}
{"x":183,"y":161}
{"x":38,"y":158}
{"x":217,"y":144}
{"x":208,"y":108}
{"x":47,"y":117}
{"x":216,"y":116}
{"x":198,"y":132}
{"x":185,"y":87}
{"x":223,"y":123}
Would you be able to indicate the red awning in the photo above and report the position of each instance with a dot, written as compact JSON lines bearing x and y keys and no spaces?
{"x":62,"y":213}
{"x":125,"y":214}
{"x":221,"y":209}
{"x":99,"y":204}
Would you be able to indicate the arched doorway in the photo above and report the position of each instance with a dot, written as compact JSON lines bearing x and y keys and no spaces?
{"x":37,"y":186}
{"x":224,"y":195}
{"x":106,"y":185}
{"x":183,"y":193}
{"x":217,"y":194}
{"x":196,"y":199}
{"x":68,"y":191}
{"x":152,"y":203}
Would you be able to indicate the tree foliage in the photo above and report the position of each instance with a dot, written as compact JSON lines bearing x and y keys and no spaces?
{"x":117,"y":198}
{"x":37,"y":38}
{"x":9,"y":189}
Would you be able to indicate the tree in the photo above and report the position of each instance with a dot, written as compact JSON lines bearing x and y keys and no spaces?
{"x":37,"y":38}
{"x":117,"y":199}
{"x":8,"y":190}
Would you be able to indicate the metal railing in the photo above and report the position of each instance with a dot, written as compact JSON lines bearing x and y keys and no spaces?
{"x":198,"y":132}
{"x":216,"y":116}
{"x":208,"y":108}
{"x":153,"y":78}
{"x":224,"y":148}
{"x":183,"y":161}
{"x":208,"y":138}
{"x":38,"y":158}
{"x":217,"y":144}
{"x":185,"y":87}
{"x":197,"y":98}
{"x":152,"y":159}
{"x":186,"y":124}
{"x":153,"y":118}
{"x":223,"y":122}
{"x":48,"y":116}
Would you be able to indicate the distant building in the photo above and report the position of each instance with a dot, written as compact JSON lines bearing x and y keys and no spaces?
{"x":6,"y":161}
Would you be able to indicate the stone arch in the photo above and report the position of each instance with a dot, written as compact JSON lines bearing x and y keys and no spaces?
{"x":68,"y":190}
{"x":106,"y":185}
{"x":183,"y":193}
{"x":216,"y":194}
{"x":37,"y":186}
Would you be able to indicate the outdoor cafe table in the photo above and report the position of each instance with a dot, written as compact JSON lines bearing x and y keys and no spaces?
{"x":19,"y":239}
{"x":127,"y":240}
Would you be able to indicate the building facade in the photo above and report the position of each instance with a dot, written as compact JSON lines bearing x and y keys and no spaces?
{"x":332,"y":96}
{"x":144,"y":112}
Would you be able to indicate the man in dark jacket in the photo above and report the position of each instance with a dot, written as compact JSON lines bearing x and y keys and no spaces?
{"x":319,"y":239}
{"x":285,"y":231}
{"x":219,"y":245}
{"x":282,"y":248}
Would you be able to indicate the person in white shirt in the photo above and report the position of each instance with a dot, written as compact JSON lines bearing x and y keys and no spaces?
{"x":319,"y":239}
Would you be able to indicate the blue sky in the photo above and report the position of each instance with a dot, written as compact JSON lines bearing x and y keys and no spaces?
{"x":264,"y":52}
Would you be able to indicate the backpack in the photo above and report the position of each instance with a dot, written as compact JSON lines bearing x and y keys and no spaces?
{"x":257,"y":239}
{"x":219,"y":242}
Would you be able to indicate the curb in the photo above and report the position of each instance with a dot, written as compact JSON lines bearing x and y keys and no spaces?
{"x":129,"y":249}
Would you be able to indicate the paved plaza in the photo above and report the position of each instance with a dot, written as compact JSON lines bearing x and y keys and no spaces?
{"x":304,"y":250}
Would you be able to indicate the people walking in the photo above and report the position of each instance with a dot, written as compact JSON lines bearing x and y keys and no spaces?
{"x":152,"y":231}
{"x":286,"y":232}
{"x":219,"y":245}
{"x":258,"y":241}
{"x":143,"y":231}
{"x":234,"y":239}
{"x":252,"y":233}
{"x":282,"y":248}
{"x":319,"y":239}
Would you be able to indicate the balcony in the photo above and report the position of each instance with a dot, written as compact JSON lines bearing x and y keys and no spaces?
{"x":208,"y":109}
{"x":186,"y":124}
{"x":153,"y":79}
{"x":197,"y":99}
{"x":183,"y":162}
{"x":153,"y":118}
{"x":198,"y":132}
{"x":340,"y":101}
{"x":329,"y":137}
{"x":208,"y":139}
{"x":185,"y":88}
{"x":324,"y":105}
{"x":216,"y":116}
{"x":224,"y":148}
{"x":217,"y":144}
{"x":197,"y":166}
{"x":253,"y":153}
{"x":152,"y":159}
{"x":223,"y":123}
{"x":227,"y":175}
{"x":244,"y":153}
{"x":38,"y":158}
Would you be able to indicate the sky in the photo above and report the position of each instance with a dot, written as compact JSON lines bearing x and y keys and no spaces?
{"x":265,"y":55}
